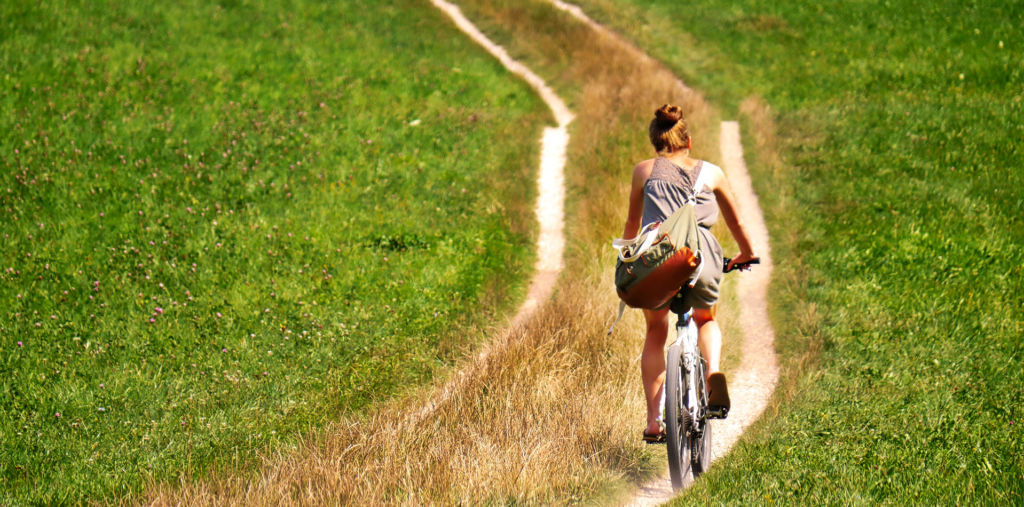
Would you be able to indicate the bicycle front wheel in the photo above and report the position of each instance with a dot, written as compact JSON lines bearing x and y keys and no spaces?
{"x":701,"y":444}
{"x":677,"y":417}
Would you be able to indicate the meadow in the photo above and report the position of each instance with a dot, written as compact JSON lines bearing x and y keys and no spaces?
{"x":163,"y":314}
{"x":884,"y":141}
{"x":225,"y":225}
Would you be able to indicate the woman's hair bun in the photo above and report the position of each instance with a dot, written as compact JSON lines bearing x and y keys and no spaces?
{"x":668,"y":115}
{"x":668,"y":129}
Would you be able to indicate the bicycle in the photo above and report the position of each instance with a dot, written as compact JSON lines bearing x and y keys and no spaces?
{"x":687,"y":418}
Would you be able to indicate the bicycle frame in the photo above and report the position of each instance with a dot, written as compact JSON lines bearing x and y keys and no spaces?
{"x":686,"y":336}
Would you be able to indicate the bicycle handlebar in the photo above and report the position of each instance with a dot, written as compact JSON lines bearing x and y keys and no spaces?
{"x":740,"y":266}
{"x":677,"y":301}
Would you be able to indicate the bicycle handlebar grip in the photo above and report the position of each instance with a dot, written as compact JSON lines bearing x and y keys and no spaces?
{"x":745,"y":265}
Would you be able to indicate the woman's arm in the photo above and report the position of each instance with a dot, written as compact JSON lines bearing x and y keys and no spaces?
{"x":726,"y":202}
{"x":641,"y":172}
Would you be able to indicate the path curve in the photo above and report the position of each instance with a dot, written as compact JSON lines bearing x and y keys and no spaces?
{"x":550,"y":207}
{"x":551,"y":179}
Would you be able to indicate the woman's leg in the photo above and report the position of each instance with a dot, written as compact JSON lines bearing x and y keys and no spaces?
{"x":709,"y":337}
{"x":652,"y":365}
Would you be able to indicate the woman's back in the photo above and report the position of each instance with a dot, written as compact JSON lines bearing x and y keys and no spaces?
{"x":668,"y":188}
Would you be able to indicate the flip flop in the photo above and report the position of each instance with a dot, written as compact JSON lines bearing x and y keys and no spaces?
{"x":656,"y":438}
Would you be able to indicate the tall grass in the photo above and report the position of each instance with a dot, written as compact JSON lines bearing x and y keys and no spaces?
{"x":224,"y":224}
{"x":549,"y":412}
{"x":894,"y":189}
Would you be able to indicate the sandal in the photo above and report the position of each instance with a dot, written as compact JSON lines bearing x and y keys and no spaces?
{"x":656,"y":438}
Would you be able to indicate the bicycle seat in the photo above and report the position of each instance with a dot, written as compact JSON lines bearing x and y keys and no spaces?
{"x":678,"y":304}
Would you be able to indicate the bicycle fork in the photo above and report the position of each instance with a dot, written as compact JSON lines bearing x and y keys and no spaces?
{"x":690,"y":359}
{"x":686,"y":332}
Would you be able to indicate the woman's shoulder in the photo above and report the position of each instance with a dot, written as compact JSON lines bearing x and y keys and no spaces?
{"x":715,"y":173}
{"x":643,"y":168}
{"x":649,"y":163}
{"x":712,"y":166}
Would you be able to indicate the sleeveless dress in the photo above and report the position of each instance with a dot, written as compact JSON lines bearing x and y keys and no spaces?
{"x":665,"y":191}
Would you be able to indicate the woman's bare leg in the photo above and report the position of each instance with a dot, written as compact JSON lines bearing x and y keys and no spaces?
{"x":709,"y":338}
{"x":652,"y":365}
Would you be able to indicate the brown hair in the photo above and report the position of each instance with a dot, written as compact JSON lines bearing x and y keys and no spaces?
{"x":668,"y":130}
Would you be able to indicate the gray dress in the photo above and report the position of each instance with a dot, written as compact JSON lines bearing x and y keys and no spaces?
{"x":665,"y":191}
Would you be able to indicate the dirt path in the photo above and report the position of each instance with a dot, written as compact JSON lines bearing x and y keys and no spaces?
{"x":752,"y":385}
{"x":550,"y":181}
{"x":550,"y":195}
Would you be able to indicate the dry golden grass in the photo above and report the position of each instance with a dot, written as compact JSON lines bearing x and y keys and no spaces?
{"x":536,"y":419}
{"x":548,"y":412}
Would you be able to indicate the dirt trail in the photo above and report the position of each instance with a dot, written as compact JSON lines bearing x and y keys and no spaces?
{"x":550,"y":181}
{"x":550,"y":195}
{"x":753,"y":383}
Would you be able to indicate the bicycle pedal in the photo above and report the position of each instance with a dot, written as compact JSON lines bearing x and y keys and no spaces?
{"x":718,"y":412}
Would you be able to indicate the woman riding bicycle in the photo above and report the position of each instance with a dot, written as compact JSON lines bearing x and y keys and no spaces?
{"x":660,"y":185}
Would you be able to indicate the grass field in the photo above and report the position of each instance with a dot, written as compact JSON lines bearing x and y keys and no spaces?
{"x":883,"y":138}
{"x":224,"y":225}
{"x":895,"y":196}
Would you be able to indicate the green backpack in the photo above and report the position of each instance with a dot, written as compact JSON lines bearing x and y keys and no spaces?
{"x":663,"y":257}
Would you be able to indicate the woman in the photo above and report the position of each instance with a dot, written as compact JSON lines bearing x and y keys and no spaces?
{"x":660,"y":185}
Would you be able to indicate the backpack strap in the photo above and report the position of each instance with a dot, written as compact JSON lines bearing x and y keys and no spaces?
{"x":646,"y":237}
{"x":622,"y":309}
{"x":698,"y":185}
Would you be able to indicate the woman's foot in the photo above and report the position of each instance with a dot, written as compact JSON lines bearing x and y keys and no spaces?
{"x":657,"y":436}
{"x":718,"y":398}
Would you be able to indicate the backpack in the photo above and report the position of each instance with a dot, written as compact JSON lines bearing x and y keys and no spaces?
{"x":653,"y":266}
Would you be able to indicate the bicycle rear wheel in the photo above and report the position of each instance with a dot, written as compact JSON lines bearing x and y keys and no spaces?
{"x":677,"y":417}
{"x":701,"y":445}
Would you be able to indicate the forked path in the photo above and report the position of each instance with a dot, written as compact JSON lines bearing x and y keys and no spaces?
{"x":752,"y":384}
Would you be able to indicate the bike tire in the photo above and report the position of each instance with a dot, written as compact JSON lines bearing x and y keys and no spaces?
{"x":701,"y":445}
{"x":677,"y":417}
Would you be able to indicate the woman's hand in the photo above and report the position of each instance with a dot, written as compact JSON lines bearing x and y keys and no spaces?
{"x":742,"y":258}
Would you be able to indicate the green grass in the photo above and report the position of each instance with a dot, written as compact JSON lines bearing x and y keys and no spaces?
{"x":225,"y":225}
{"x":901,"y":126}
